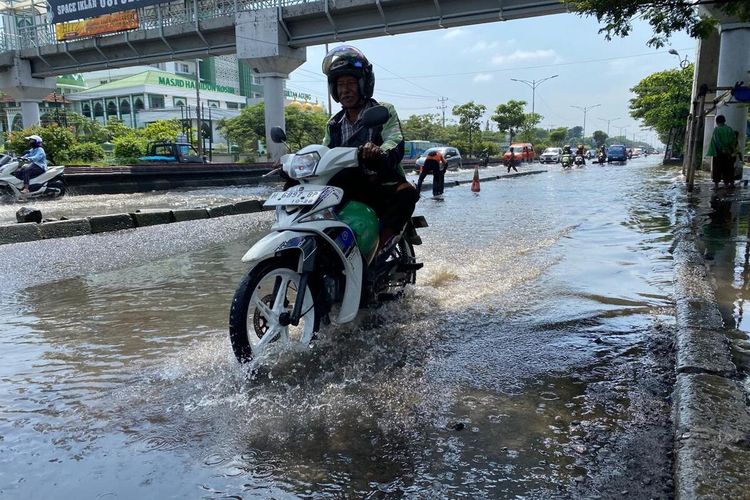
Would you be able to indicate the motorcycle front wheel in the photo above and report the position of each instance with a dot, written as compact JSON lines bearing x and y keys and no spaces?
{"x":263,"y":301}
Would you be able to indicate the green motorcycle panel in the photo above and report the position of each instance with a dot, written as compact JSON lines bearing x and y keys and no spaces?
{"x":364,"y":223}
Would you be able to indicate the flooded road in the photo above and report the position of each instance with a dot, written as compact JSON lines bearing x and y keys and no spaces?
{"x":531,"y":359}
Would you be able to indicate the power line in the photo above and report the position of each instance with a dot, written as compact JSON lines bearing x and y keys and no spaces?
{"x":571,"y":63}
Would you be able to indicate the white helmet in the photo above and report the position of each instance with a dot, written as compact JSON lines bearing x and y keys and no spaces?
{"x":35,"y":138}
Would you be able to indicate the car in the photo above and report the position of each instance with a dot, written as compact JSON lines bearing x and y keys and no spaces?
{"x":551,"y":155}
{"x":451,"y":155}
{"x":522,"y":152}
{"x":171,"y":152}
{"x":617,"y":152}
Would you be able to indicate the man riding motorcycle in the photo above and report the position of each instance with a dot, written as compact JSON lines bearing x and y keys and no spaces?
{"x":581,"y":151}
{"x":381,"y":183}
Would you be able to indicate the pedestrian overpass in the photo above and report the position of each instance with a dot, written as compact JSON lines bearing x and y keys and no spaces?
{"x":270,"y":35}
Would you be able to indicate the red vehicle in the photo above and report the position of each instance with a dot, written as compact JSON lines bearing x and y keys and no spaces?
{"x":522,"y":152}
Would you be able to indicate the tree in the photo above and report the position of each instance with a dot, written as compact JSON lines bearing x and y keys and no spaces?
{"x":575,"y":132}
{"x":529,"y":132}
{"x":302,"y":127}
{"x":662,"y":100}
{"x":469,"y":123}
{"x":161,"y":130}
{"x":55,"y":140}
{"x":422,"y":127}
{"x":510,"y":117}
{"x":245,"y":129}
{"x":558,"y":135}
{"x":600,"y":138}
{"x":665,"y":18}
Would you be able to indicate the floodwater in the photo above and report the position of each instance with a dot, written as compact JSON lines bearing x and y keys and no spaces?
{"x":530,"y":360}
{"x":723,"y":223}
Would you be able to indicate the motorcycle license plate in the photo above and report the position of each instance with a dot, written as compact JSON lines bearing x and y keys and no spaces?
{"x":292,"y":197}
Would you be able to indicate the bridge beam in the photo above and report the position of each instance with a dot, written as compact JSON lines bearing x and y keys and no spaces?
{"x":17,"y":82}
{"x":264,"y":45}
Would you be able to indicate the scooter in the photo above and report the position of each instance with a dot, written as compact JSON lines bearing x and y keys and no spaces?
{"x":320,"y":264}
{"x":567,"y":161}
{"x":602,"y":159}
{"x":579,"y":161}
{"x":51,"y":183}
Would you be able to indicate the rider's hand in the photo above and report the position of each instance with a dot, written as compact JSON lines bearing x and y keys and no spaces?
{"x":370,"y":151}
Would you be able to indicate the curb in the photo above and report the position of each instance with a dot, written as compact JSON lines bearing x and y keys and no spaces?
{"x":96,"y":224}
{"x":711,"y":415}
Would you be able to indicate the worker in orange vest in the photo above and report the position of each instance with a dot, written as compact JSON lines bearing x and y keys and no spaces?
{"x":436,"y":165}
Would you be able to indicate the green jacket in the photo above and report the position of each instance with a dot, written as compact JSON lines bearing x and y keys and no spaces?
{"x":389,"y":137}
{"x":723,"y":141}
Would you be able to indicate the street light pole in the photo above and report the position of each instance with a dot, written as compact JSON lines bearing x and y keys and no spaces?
{"x":684,"y":63}
{"x":585,"y":110}
{"x":534,"y":84}
{"x":609,"y":121}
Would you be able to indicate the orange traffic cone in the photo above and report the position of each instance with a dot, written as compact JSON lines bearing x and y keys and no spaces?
{"x":475,"y":182}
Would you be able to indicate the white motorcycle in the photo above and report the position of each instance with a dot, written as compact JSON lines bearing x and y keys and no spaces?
{"x":320,"y":263}
{"x":51,"y":183}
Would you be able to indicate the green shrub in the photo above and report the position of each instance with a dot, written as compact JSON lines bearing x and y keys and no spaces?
{"x":129,"y":147}
{"x":86,"y":152}
{"x":57,"y":142}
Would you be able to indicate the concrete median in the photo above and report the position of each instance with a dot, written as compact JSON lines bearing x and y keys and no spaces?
{"x":152,"y":218}
{"x":222,"y":211}
{"x":112,"y":222}
{"x":64,"y":228}
{"x":19,"y":233}
{"x":185,"y":214}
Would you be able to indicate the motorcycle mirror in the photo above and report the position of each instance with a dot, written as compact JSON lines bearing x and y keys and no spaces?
{"x":374,"y":116}
{"x":278,"y":135}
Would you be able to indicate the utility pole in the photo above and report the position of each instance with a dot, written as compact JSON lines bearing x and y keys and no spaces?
{"x":534,"y":84}
{"x":442,"y":106}
{"x":609,"y":121}
{"x":330,"y":106}
{"x":198,"y":106}
{"x":620,"y":134}
{"x":585,"y":110}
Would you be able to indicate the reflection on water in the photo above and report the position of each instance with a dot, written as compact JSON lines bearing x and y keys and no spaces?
{"x":485,"y":381}
{"x":725,"y":240}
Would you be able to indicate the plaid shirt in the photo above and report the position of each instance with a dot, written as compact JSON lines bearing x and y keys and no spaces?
{"x":347,"y":128}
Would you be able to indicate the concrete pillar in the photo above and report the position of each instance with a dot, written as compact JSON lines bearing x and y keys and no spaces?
{"x":734,"y":64}
{"x":706,"y":69}
{"x":264,"y":46}
{"x":18,"y":82}
{"x":30,"y":113}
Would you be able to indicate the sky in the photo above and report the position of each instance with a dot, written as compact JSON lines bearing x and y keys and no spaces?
{"x":477,"y":63}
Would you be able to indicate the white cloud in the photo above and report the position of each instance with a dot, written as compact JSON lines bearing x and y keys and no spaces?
{"x":524,"y":55}
{"x":453,"y":33}
{"x":481,"y":46}
{"x":482,"y":77}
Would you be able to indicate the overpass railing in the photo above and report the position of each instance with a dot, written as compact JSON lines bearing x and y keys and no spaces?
{"x":184,"y":12}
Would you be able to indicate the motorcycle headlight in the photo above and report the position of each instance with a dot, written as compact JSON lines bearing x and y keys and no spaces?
{"x":327,"y":214}
{"x":303,"y":165}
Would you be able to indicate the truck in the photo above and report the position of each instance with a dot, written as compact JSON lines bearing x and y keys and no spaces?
{"x":161,"y":152}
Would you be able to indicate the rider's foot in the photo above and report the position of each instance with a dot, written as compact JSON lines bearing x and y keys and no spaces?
{"x":25,"y":190}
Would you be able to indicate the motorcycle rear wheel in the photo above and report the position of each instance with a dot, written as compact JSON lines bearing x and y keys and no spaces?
{"x":267,"y":292}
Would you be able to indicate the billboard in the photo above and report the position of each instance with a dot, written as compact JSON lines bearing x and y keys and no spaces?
{"x":70,"y":10}
{"x":100,"y":25}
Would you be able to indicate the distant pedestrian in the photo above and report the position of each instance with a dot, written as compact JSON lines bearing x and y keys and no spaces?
{"x":511,"y":163}
{"x":436,"y":165}
{"x":723,"y":149}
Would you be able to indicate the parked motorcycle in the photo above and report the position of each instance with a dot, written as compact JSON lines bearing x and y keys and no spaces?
{"x":51,"y":183}
{"x":320,"y":263}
